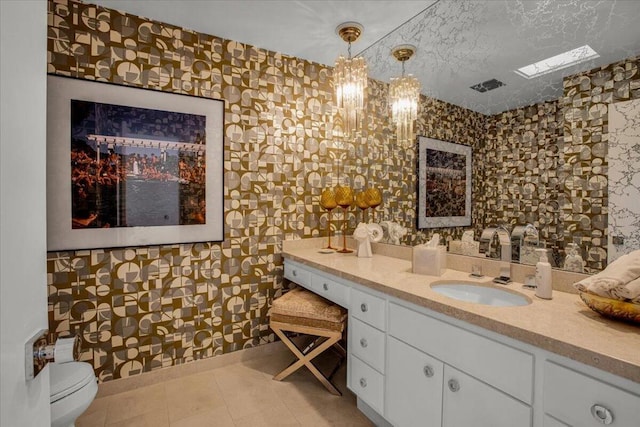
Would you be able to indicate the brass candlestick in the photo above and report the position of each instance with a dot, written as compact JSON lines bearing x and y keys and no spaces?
{"x":374,"y":199}
{"x":344,"y":198}
{"x":361,"y":202}
{"x":328,"y":202}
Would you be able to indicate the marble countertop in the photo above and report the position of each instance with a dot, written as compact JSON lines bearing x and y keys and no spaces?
{"x":563,"y":325}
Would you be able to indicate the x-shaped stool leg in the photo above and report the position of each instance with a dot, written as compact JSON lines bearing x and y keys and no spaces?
{"x":306,"y":359}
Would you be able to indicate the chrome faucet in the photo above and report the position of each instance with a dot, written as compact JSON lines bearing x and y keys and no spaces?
{"x":523,"y":234}
{"x":505,"y":250}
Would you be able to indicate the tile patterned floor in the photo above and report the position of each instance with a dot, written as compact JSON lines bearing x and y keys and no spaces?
{"x":240,"y":394}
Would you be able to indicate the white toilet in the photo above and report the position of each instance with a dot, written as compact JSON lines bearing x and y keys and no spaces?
{"x":73,"y":387}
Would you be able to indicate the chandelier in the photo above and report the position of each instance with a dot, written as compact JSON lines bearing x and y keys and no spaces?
{"x":404,"y":93}
{"x":350,"y":81}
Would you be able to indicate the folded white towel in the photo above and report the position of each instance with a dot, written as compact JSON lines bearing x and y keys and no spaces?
{"x":620,"y":280}
{"x":630,"y":291}
{"x":604,"y":287}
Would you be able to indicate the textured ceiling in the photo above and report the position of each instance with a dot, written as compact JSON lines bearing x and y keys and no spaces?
{"x":459,"y":42}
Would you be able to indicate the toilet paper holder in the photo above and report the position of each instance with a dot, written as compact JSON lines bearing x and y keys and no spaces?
{"x":40,"y":350}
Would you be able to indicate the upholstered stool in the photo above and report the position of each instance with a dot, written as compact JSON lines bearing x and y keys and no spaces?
{"x":304,"y":312}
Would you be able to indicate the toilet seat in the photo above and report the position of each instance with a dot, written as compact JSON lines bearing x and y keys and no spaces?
{"x":67,"y":378}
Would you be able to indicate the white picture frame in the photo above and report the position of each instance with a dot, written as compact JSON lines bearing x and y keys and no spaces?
{"x":444,"y":184}
{"x":204,"y":222}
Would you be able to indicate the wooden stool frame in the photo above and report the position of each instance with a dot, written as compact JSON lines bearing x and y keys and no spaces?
{"x":305,"y":357}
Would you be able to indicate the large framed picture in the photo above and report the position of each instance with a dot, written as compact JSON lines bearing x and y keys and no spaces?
{"x":444,"y":184}
{"x":129,"y":166}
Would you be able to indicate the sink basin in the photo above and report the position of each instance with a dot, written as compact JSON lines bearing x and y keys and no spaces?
{"x":480,"y":294}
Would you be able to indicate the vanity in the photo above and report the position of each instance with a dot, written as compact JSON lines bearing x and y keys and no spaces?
{"x":416,"y":357}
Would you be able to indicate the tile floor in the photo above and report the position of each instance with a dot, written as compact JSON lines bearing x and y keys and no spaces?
{"x":239,"y":394}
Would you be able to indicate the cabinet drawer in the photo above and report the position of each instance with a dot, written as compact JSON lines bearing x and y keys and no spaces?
{"x":369,"y":309}
{"x":367,"y":383}
{"x":499,"y":365}
{"x":571,"y":397}
{"x":297,"y":274}
{"x":330,"y":289}
{"x":367,"y":343}
{"x":469,"y":402}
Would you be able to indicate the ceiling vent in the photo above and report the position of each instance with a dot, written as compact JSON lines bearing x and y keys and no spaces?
{"x":488,"y":85}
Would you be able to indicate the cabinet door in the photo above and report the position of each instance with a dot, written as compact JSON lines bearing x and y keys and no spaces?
{"x":414,"y":387}
{"x":582,"y":401}
{"x":549,"y":421}
{"x":470,"y":402}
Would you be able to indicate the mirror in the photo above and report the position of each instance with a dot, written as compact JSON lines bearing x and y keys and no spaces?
{"x":544,"y":159}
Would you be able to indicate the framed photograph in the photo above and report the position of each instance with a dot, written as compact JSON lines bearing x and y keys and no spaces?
{"x":129,"y":166}
{"x":444,"y":184}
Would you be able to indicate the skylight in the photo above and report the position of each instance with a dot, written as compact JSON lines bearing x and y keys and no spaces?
{"x":558,"y":62}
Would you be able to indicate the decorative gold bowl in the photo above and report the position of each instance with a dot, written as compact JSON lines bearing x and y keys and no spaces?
{"x":616,"y":309}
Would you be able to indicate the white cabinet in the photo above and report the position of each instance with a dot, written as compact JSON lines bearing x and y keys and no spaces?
{"x":504,"y":367}
{"x":322,"y":284}
{"x":330,"y":289}
{"x":366,"y":383}
{"x":470,"y":402}
{"x":415,"y":367}
{"x":297,"y":274}
{"x":369,"y":308}
{"x":579,"y":400}
{"x":367,"y":347}
{"x":367,"y":343}
{"x":549,"y":421}
{"x":414,"y":387}
{"x":481,"y":382}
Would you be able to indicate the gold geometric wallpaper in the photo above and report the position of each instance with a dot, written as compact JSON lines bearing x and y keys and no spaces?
{"x":547,"y":163}
{"x":522,"y":155}
{"x":584,"y":150}
{"x":142,"y":308}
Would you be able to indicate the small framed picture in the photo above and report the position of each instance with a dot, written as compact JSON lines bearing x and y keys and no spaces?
{"x":444,"y":184}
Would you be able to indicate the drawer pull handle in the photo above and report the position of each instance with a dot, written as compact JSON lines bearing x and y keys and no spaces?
{"x":295,"y":272}
{"x":363,"y":382}
{"x":428,"y":371}
{"x":325,"y":286}
{"x":602,"y":414}
{"x":364,"y":308}
{"x":454,"y":385}
{"x":363,"y":343}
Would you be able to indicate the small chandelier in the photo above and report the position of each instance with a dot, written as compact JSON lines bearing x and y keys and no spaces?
{"x":350,"y":80}
{"x":404,"y":93}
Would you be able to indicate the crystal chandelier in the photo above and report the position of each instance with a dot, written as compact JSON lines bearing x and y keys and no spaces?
{"x":350,"y":81}
{"x":404,"y":93}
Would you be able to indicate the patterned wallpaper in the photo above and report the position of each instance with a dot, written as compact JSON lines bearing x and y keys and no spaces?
{"x":584,"y":204}
{"x":522,"y":155}
{"x":547,"y":163}
{"x":142,"y":308}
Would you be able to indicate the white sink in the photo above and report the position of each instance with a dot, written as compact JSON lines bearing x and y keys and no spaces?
{"x":480,"y":294}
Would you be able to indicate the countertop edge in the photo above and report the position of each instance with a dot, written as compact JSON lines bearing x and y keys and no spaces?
{"x":589,"y":357}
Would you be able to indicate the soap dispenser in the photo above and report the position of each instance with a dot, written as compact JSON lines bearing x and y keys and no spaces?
{"x":543,"y":276}
{"x":573,"y":261}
